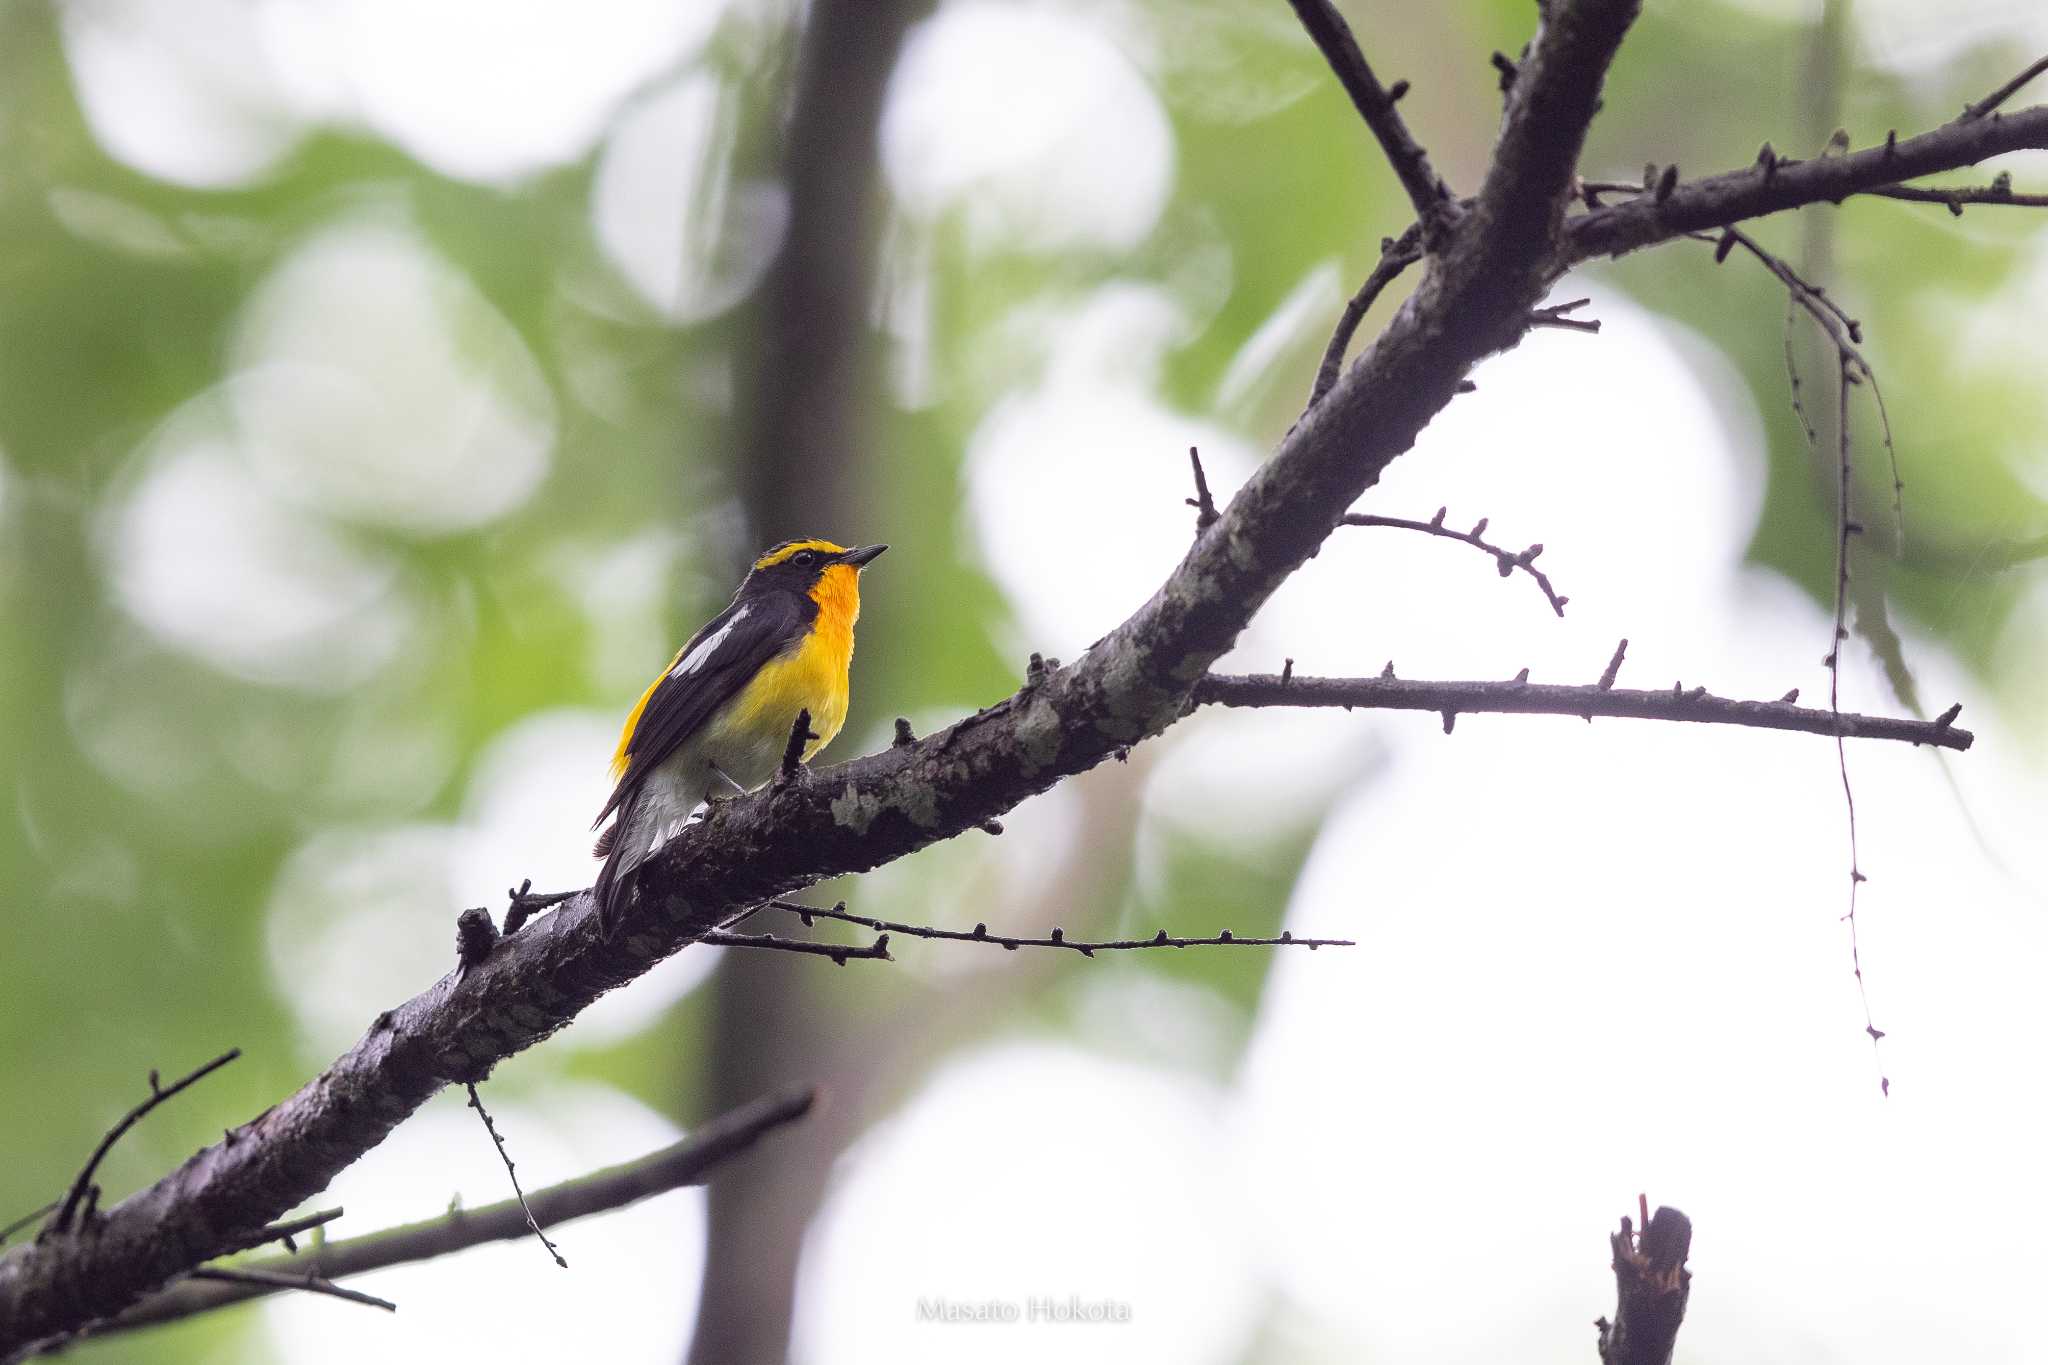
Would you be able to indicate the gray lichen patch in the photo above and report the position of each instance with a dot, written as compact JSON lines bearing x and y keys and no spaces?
{"x":1038,"y":735}
{"x":855,"y":809}
{"x":918,"y":799}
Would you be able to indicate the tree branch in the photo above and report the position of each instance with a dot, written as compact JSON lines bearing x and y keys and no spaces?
{"x":1518,"y":697}
{"x":840,"y":953}
{"x":1375,"y":104}
{"x":1651,"y":1288}
{"x":1396,"y":255}
{"x":512,"y":1174}
{"x":1773,"y":185}
{"x":267,"y":1281}
{"x":684,"y":1163}
{"x":1058,"y":939}
{"x":1999,"y":191}
{"x":2003,"y":93}
{"x":82,"y":1188}
{"x":1504,"y":560}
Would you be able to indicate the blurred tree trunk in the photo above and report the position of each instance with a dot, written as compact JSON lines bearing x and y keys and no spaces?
{"x":803,"y":436}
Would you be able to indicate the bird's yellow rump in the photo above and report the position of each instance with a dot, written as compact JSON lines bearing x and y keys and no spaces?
{"x":720,"y":716}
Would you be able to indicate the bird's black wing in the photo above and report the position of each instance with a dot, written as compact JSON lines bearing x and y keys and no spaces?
{"x":707,"y":672}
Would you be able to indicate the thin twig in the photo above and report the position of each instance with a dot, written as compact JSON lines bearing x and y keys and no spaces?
{"x":1846,"y":333}
{"x":1850,"y":369}
{"x":284,"y":1231}
{"x":2000,"y":191}
{"x":18,"y":1224}
{"x":1613,"y":669}
{"x":1693,"y":705}
{"x":1774,"y":184}
{"x":1058,"y":938}
{"x":1953,"y":197}
{"x":1507,"y":561}
{"x":1396,"y":255}
{"x":1203,"y":503}
{"x":877,"y":951}
{"x":477,"y":1104}
{"x":1375,"y":104}
{"x":271,"y":1279}
{"x":1973,"y":112}
{"x":1845,"y":379}
{"x":680,"y":1164}
{"x":157,"y":1095}
{"x":1555,"y":316}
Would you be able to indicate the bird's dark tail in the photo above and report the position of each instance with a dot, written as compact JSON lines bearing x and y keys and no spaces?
{"x":609,"y":890}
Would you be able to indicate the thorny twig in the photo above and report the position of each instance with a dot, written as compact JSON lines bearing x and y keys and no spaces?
{"x":1518,"y":696}
{"x":476,"y":1103}
{"x":1851,"y":369}
{"x":1845,"y":378}
{"x":83,"y":1186}
{"x":1507,"y":561}
{"x":1057,"y":939}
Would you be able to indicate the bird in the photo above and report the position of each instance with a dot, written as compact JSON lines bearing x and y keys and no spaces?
{"x":720,"y":717}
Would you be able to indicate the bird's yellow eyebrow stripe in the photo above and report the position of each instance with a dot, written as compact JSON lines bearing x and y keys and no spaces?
{"x":790,"y":547}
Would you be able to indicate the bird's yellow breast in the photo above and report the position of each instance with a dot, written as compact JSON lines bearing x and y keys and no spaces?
{"x":811,"y":677}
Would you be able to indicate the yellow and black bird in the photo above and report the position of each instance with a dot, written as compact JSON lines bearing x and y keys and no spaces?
{"x":720,"y":718}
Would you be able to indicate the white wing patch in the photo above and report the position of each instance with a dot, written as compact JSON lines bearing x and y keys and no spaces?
{"x":694,"y":660}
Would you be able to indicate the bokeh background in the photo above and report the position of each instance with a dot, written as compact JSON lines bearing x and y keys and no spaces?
{"x":386,"y":388}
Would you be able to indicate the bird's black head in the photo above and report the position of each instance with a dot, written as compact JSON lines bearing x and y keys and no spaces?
{"x":801,"y":565}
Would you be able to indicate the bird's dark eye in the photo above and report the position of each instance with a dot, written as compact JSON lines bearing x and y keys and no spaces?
{"x":803,"y":559}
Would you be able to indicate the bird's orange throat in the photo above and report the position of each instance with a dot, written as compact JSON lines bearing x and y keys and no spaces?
{"x":837,"y":594}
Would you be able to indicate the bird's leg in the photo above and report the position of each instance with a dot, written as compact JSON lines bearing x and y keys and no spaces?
{"x":712,"y":799}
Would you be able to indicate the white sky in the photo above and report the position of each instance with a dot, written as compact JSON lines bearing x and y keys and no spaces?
{"x":1593,"y":960}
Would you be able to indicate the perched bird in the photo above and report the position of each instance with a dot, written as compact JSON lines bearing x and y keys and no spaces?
{"x":721,"y":717}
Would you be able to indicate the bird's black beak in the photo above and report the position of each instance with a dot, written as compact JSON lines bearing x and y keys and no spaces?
{"x":860,"y":557}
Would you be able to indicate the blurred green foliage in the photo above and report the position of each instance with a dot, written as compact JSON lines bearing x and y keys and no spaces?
{"x":153,"y":796}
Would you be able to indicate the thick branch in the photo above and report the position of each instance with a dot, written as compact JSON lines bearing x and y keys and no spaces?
{"x":1651,"y":1288}
{"x":1425,"y":190}
{"x":1772,"y":186}
{"x":1549,"y":108}
{"x":1695,"y":704}
{"x":673,"y":1167}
